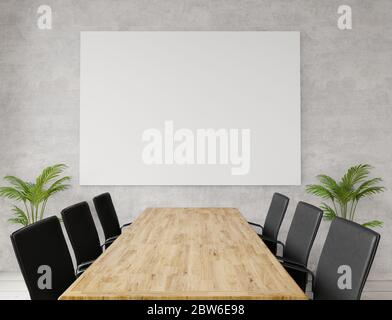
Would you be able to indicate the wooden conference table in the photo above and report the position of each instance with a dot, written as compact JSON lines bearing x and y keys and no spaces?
{"x":186,"y":253}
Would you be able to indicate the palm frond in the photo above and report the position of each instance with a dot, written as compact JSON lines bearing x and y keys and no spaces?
{"x":20,"y":216}
{"x":327,"y":181}
{"x":49,"y":173}
{"x":60,"y":182}
{"x":369,"y":192}
{"x":38,"y":194}
{"x":329,"y":213}
{"x":369,"y":183}
{"x":58,"y":186}
{"x":355,"y":174}
{"x":56,"y":189}
{"x":11,"y":193}
{"x":343,"y":194}
{"x":19,"y":184}
{"x":373,"y":224}
{"x":319,"y":191}
{"x":18,"y":221}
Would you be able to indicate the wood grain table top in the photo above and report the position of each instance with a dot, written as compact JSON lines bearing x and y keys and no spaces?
{"x":186,"y":253}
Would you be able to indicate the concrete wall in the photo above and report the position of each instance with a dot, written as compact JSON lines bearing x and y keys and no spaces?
{"x":346,"y":99}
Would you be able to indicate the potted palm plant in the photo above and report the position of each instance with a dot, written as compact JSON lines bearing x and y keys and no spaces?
{"x":34,"y":195}
{"x":344,"y":195}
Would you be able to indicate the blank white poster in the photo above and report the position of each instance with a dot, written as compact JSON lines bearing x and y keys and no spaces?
{"x":190,"y":108}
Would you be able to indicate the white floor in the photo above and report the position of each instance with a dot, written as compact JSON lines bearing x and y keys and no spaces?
{"x":12,"y":287}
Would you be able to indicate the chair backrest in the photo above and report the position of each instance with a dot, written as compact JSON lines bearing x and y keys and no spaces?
{"x":107,"y":215}
{"x":82,"y":232}
{"x":275,"y":215}
{"x":43,"y":258}
{"x":302,"y":232}
{"x":347,"y":254}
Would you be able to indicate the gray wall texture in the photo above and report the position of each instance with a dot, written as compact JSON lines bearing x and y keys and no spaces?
{"x":346,"y":99}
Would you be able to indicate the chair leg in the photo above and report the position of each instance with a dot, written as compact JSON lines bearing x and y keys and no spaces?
{"x":301,"y":278}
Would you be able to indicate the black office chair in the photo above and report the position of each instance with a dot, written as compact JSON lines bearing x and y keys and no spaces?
{"x":43,"y":244}
{"x":108,"y":217}
{"x":348,"y":245}
{"x":273,"y":221}
{"x":82,"y":234}
{"x":300,"y":238}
